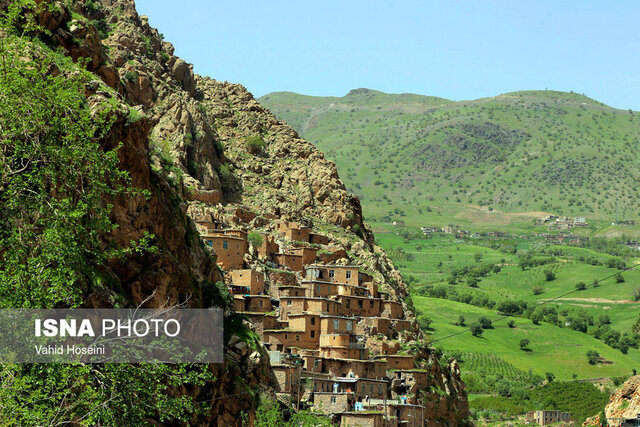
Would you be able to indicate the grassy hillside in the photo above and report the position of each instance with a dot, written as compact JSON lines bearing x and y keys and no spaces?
{"x":487,"y":162}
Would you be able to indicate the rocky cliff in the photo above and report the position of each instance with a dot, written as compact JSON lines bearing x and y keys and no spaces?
{"x":199,"y":145}
{"x":625,"y":402}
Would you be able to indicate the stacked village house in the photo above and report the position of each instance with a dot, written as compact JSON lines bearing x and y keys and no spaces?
{"x":331,"y":334}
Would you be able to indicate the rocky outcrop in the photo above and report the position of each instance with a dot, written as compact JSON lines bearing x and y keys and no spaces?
{"x":191,"y":142}
{"x":625,"y":402}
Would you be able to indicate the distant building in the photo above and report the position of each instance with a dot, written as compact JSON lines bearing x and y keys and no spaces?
{"x":544,"y":418}
{"x":398,"y":223}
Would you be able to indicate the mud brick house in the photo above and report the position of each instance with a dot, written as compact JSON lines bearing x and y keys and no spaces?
{"x":308,"y":254}
{"x":298,"y":305}
{"x":268,"y":247}
{"x":253,"y":303}
{"x":293,"y":231}
{"x":250,"y":279}
{"x":229,"y":245}
{"x":288,"y":260}
{"x":348,"y":274}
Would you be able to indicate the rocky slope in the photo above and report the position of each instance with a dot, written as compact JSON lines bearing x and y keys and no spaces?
{"x":187,"y":140}
{"x":625,"y":402}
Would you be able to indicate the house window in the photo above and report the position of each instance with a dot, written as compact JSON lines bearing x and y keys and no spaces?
{"x":379,"y":388}
{"x":333,"y":399}
{"x":371,"y":303}
{"x":371,"y":388}
{"x":225,"y":244}
{"x":349,"y":325}
{"x":210,"y":243}
{"x":363,"y":388}
{"x":313,"y":320}
{"x":348,"y":275}
{"x":289,"y":302}
{"x":313,"y":334}
{"x":360,"y":303}
{"x":332,"y":274}
{"x":260,"y":303}
{"x":336,"y":324}
{"x":297,"y":337}
{"x":348,"y":303}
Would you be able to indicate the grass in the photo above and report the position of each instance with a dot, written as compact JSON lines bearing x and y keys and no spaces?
{"x":431,"y":161}
{"x":561,"y":351}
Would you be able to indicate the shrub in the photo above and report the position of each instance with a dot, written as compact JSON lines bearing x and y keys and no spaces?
{"x":255,"y":144}
{"x":581,"y":286}
{"x":511,"y":324}
{"x":524,"y":343}
{"x":538,"y":290}
{"x":550,"y":376}
{"x":425,"y":323}
{"x":131,"y":76}
{"x":461,"y":320}
{"x":619,"y":278}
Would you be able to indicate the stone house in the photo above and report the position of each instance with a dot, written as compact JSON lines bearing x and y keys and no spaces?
{"x":364,"y":419}
{"x":408,"y":382}
{"x":310,"y":323}
{"x":391,"y":309}
{"x":399,"y":361}
{"x":285,"y":378}
{"x":406,"y":413}
{"x":544,"y":418}
{"x":262,"y":321}
{"x":333,"y":402}
{"x":289,"y":291}
{"x":254,"y":280}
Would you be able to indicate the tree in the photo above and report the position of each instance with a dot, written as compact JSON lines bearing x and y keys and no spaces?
{"x":425,"y":323}
{"x":550,"y":377}
{"x":477,"y":257}
{"x":619,"y":278}
{"x":461,"y":320}
{"x":592,"y":357}
{"x":524,"y":343}
{"x":549,"y":275}
{"x":604,"y":319}
{"x":636,"y":294}
{"x":255,"y":239}
{"x":472,"y":282}
{"x":511,"y":324}
{"x":476,"y":329}
{"x":581,"y":286}
{"x":484,"y":322}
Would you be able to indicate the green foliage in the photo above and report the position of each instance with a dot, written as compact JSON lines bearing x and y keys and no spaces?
{"x":524,"y":343}
{"x":255,"y":144}
{"x":581,"y":286}
{"x":592,"y":357}
{"x":270,"y":414}
{"x":109,"y":394}
{"x":255,"y":239}
{"x":476,"y":329}
{"x":55,"y":179}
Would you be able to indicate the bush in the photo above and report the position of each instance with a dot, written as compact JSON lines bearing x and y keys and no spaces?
{"x":255,"y":144}
{"x":461,"y":320}
{"x":425,"y":323}
{"x":619,"y":278}
{"x":581,"y":286}
{"x":538,"y":290}
{"x":511,"y":324}
{"x":549,"y":275}
{"x":524,"y":343}
{"x":592,"y":357}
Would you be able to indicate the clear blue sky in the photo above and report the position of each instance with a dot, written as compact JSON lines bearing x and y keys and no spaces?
{"x":453,"y":49}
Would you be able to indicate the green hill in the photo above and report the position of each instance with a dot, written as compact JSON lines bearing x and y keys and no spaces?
{"x":493,"y":161}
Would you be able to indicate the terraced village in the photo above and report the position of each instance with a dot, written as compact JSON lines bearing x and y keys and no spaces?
{"x":337,"y":344}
